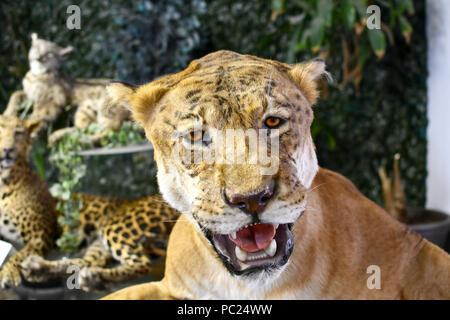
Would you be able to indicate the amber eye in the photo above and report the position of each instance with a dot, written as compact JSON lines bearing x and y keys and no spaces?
{"x":273,"y":122}
{"x":195,"y":135}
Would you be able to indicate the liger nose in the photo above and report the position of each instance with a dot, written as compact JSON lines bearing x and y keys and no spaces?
{"x":252,"y":203}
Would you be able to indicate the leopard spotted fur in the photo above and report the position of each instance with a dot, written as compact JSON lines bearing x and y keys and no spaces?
{"x":130,"y":232}
{"x":27,"y":210}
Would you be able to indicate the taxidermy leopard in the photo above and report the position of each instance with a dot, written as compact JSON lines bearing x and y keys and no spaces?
{"x":50,"y":90}
{"x":131,"y":233}
{"x":28,"y":217}
{"x":297,"y":232}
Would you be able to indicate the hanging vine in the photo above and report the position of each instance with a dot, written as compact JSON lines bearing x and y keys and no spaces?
{"x":72,"y":169}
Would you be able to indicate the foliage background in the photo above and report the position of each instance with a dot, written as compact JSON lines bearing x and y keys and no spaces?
{"x":357,"y":129}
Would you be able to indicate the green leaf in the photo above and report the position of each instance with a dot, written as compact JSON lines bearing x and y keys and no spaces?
{"x":331,"y":141}
{"x":361,"y":7}
{"x":56,"y":190}
{"x":317,"y":34}
{"x":325,"y":10}
{"x":377,"y":41}
{"x":303,"y":43}
{"x":315,"y":129}
{"x":406,"y":29}
{"x":403,"y":5}
{"x":409,"y":6}
{"x":277,"y":5}
{"x":277,"y":8}
{"x":348,"y":13}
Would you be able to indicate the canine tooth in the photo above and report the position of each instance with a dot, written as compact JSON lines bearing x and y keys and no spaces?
{"x":240,"y":254}
{"x":233,"y":235}
{"x":272,"y":248}
{"x":276,"y":226}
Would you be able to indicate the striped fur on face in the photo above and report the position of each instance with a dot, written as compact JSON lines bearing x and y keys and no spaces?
{"x":228,"y":91}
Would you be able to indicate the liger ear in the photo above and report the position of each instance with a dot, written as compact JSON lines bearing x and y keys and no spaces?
{"x":305,"y":76}
{"x":139,"y":100}
{"x":142,"y":100}
{"x":32,"y":125}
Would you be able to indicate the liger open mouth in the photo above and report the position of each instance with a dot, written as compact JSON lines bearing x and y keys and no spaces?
{"x":255,"y":247}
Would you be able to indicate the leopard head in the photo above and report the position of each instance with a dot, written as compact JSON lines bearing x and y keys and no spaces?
{"x":15,"y":140}
{"x":244,"y":208}
{"x":45,"y":56}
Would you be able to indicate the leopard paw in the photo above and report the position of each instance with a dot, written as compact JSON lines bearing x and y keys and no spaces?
{"x":9,"y":277}
{"x":34,"y":268}
{"x":90,"y":279}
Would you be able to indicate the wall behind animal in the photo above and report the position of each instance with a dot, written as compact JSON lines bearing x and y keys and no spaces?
{"x":358,"y":127}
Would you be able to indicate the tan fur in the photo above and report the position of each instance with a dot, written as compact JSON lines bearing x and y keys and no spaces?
{"x":335,"y":241}
{"x":338,"y":233}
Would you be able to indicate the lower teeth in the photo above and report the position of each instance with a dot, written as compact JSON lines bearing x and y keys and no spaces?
{"x":260,"y":256}
{"x":247,"y":256}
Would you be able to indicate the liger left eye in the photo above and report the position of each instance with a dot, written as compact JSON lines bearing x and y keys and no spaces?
{"x":198,"y":137}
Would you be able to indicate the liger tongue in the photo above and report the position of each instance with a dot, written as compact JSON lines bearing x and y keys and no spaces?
{"x":254,"y":238}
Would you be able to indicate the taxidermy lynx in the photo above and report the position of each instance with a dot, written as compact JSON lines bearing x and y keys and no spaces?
{"x":50,"y":90}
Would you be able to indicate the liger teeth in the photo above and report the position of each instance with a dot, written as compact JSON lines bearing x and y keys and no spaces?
{"x":233,"y":235}
{"x":240,"y":254}
{"x":276,"y":226}
{"x":271,"y":249}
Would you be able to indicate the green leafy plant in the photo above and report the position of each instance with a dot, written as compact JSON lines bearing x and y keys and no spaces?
{"x":71,"y":171}
{"x":292,"y":30}
{"x":324,"y":26}
{"x":129,"y":133}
